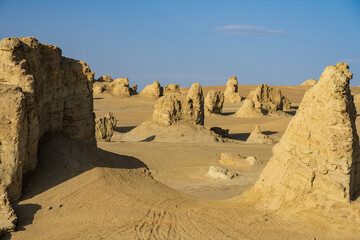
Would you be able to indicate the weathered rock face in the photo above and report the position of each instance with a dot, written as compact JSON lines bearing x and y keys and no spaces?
{"x":13,"y":138}
{"x":270,"y":99}
{"x":8,"y":218}
{"x":171,"y":88}
{"x":310,"y":82}
{"x":214,"y":102}
{"x":105,"y":78}
{"x":104,"y":127}
{"x":316,"y":162}
{"x":248,"y":110}
{"x":193,"y":105}
{"x":120,"y":87}
{"x":152,"y":91}
{"x":58,"y":98}
{"x":222,"y":173}
{"x":231,"y":92}
{"x":257,"y":136}
{"x":167,"y":110}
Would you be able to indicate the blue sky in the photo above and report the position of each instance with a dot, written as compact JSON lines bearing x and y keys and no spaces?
{"x":275,"y":42}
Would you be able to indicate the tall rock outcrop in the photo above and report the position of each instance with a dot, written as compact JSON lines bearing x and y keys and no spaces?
{"x":231,"y":91}
{"x":270,"y":99}
{"x":167,"y":110}
{"x":316,"y":163}
{"x":193,"y":105}
{"x":49,"y":93}
{"x":214,"y":102}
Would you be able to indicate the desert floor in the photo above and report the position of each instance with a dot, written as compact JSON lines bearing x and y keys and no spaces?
{"x":83,"y":192}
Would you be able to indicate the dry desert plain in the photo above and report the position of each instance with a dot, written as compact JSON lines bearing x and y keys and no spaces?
{"x":82,"y":192}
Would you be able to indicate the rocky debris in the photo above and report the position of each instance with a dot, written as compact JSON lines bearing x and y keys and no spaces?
{"x":248,"y":110}
{"x":120,"y":87}
{"x":235,"y":159}
{"x":105,"y":78}
{"x":171,"y":88}
{"x":221,"y":132}
{"x":231,"y":93}
{"x":153,"y":90}
{"x":41,"y":93}
{"x":356,"y":98}
{"x":104,"y":127}
{"x":133,"y":90}
{"x":270,"y":99}
{"x":167,"y":110}
{"x":214,"y":102}
{"x":310,"y":82}
{"x":192,"y":107}
{"x":257,"y":136}
{"x":8,"y":218}
{"x":222,"y":173}
{"x":316,"y":163}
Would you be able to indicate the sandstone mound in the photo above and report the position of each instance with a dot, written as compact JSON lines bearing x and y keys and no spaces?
{"x":172,"y":89}
{"x":175,"y":121}
{"x":248,"y":110}
{"x":214,"y":102}
{"x":316,"y":163}
{"x":48,"y":93}
{"x":104,"y":127}
{"x":310,"y":82}
{"x":231,"y":92}
{"x":257,"y":136}
{"x":270,"y":99}
{"x":222,"y":173}
{"x":153,"y":90}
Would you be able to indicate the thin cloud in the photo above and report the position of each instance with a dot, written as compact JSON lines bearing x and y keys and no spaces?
{"x":351,"y":60}
{"x":246,"y":30}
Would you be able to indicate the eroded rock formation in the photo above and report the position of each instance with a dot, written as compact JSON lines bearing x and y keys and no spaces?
{"x":231,"y":92}
{"x":120,"y":87}
{"x":270,"y":99}
{"x":153,"y":90}
{"x":104,"y":127}
{"x":214,"y":102}
{"x":172,"y":89}
{"x":256,"y":136}
{"x":167,"y":110}
{"x":248,"y":110}
{"x":193,"y":105}
{"x":105,"y":78}
{"x":316,"y":163}
{"x":310,"y":82}
{"x":42,"y":92}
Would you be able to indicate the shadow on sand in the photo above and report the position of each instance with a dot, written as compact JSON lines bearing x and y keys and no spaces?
{"x":244,"y":136}
{"x":60,"y":159}
{"x":124,"y":129}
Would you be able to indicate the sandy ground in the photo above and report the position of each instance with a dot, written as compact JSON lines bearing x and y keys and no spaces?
{"x":83,"y":192}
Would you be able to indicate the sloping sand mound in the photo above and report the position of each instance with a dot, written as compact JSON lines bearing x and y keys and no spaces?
{"x":178,"y":132}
